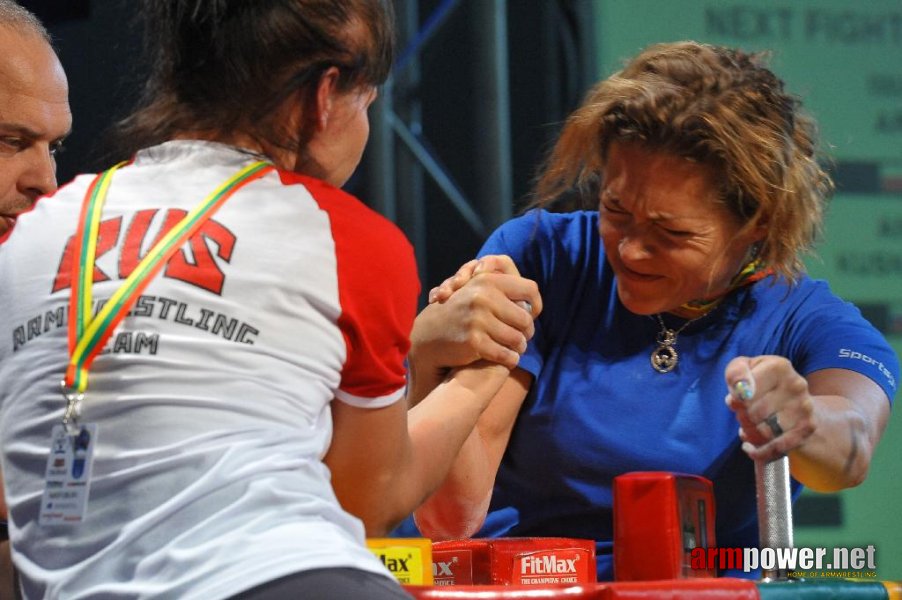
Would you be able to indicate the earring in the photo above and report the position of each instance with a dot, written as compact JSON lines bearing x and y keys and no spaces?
{"x":753,"y":251}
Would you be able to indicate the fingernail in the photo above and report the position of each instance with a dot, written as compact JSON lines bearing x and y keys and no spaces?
{"x":515,"y":357}
{"x":747,"y":447}
{"x":432,"y":295}
{"x":525,"y":305}
{"x":744,"y":389}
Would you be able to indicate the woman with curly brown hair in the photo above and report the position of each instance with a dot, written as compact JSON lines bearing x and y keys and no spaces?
{"x":673,"y":279}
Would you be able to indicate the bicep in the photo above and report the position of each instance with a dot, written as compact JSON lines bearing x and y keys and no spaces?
{"x":366,"y":445}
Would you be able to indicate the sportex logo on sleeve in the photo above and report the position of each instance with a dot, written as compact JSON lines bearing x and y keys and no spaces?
{"x":855,"y":355}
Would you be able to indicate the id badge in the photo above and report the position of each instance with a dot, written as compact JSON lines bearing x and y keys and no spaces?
{"x":68,"y":475}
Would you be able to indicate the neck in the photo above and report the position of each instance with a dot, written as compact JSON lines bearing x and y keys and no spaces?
{"x":686,"y":312}
{"x":244,"y":142}
{"x":752,"y":271}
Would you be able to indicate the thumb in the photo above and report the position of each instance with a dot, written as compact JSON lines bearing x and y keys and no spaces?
{"x":740,"y":379}
{"x":496,"y":263}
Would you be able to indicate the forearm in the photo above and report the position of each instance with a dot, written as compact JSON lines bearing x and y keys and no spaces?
{"x":443,"y":433}
{"x":458,"y":507}
{"x":385,"y":462}
{"x":838,"y":453}
{"x":424,"y":374}
{"x":850,"y":413}
{"x":828,"y":422}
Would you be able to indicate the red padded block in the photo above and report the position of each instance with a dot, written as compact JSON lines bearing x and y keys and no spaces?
{"x":513,"y":561}
{"x":675,"y":589}
{"x":682,"y":589}
{"x":587,"y":591}
{"x":452,"y":563}
{"x":659,"y":518}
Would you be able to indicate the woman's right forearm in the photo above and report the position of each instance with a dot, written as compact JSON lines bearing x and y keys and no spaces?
{"x":438,"y":427}
{"x":385,"y":462}
{"x":458,"y":507}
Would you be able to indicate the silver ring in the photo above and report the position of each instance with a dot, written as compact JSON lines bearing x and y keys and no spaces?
{"x":774,"y":425}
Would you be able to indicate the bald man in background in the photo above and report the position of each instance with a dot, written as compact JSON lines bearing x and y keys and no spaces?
{"x":34,"y":112}
{"x":34,"y":120}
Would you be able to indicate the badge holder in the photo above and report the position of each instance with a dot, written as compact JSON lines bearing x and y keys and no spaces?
{"x":68,"y":474}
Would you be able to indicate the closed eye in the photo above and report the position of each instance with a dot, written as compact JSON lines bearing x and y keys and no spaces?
{"x":675,"y":232}
{"x":10,"y":144}
{"x":610,"y":205}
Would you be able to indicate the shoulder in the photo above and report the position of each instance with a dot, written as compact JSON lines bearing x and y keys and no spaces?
{"x":805,"y":307}
{"x":542,"y":226}
{"x":549,"y":241}
{"x":378,"y":289}
{"x":561,"y":252}
{"x":811,"y":298}
{"x":374,"y":256}
{"x":822,"y":330}
{"x":351,"y":218}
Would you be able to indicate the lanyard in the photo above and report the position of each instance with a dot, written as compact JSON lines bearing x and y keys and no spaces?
{"x":87,"y":334}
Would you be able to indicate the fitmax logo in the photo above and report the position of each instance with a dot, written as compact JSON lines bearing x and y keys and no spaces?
{"x":547,"y":565}
{"x":443,"y":568}
{"x":395,"y":565}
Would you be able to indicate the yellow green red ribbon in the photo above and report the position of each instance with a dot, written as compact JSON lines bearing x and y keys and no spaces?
{"x":87,"y":335}
{"x":754,"y":270}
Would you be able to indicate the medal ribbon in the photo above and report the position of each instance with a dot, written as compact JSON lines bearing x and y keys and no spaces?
{"x":753,"y":271}
{"x":87,"y":335}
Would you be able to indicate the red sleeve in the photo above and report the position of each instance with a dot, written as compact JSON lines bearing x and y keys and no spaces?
{"x":378,"y":289}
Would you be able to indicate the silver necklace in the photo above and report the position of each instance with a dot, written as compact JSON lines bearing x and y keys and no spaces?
{"x":664,"y":358}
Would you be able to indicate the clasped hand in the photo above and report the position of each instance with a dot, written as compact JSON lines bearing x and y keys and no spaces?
{"x":772,"y":403}
{"x":484,"y":311}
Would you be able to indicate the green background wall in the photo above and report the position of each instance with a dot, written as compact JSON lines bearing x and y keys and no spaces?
{"x":844,"y":58}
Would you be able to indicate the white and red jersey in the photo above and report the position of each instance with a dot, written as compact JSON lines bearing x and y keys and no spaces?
{"x":212,"y":397}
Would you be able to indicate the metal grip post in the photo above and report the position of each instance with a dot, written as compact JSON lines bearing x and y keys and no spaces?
{"x":774,"y":510}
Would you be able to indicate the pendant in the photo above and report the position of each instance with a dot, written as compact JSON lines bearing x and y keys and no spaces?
{"x":664,"y":358}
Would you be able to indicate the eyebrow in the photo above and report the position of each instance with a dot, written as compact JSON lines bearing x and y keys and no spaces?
{"x":24,"y":131}
{"x":656,"y":217}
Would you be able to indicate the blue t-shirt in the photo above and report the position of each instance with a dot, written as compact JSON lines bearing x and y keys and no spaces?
{"x":597,"y":408}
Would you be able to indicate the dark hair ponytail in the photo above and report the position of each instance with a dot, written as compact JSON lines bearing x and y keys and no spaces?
{"x":226,"y":65}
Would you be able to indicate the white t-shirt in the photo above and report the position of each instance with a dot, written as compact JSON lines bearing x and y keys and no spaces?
{"x":212,"y":398}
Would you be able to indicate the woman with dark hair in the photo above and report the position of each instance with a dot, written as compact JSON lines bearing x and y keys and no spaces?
{"x":675,"y":281}
{"x":233,"y":418}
